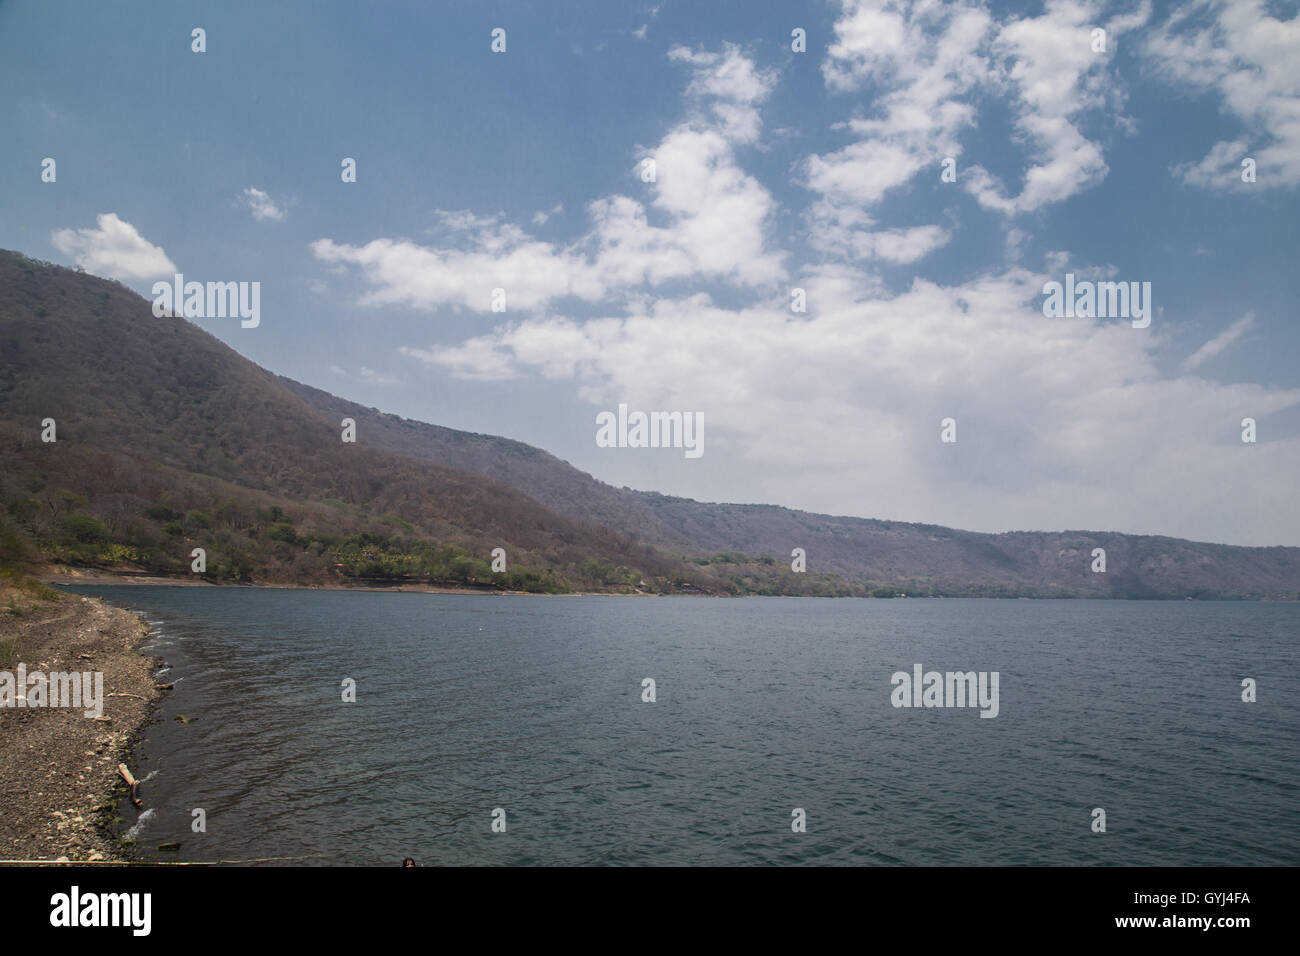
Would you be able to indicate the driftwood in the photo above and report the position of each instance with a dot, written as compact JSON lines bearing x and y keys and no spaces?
{"x":131,"y":782}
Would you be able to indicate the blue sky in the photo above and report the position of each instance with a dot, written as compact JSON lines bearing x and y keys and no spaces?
{"x":775,"y":169}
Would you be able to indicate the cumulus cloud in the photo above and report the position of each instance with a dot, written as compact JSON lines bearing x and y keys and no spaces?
{"x":261,"y":205}
{"x":402,"y":272}
{"x":707,"y":218}
{"x":476,"y":360}
{"x":1247,"y":57}
{"x":844,"y":406}
{"x":1061,"y":422}
{"x":114,"y":249}
{"x":923,"y":61}
{"x":898,"y":246}
{"x":928,"y":65}
{"x":730,"y":85}
{"x":1056,"y":75}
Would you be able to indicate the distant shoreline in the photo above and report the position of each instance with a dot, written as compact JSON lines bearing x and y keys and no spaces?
{"x":112,"y":579}
{"x":94,"y":578}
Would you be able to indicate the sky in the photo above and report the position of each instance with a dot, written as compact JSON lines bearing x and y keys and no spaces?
{"x":919,"y":171}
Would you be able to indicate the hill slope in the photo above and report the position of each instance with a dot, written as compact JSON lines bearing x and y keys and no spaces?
{"x":169,"y":440}
{"x":913,"y":558}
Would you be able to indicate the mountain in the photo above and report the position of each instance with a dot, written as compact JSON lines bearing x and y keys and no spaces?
{"x":168,"y":440}
{"x":885,"y":555}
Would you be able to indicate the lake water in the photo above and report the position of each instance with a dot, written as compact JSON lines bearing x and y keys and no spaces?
{"x":534,"y":705}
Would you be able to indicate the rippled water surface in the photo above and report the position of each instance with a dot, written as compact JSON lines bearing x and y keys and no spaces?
{"x":533,"y":704}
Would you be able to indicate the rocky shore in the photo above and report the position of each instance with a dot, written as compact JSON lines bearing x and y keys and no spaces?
{"x":58,"y":768}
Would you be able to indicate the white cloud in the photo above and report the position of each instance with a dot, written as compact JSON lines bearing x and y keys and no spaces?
{"x":1057,"y":77}
{"x":377,"y":378}
{"x":926,"y":64}
{"x":1220,"y":342}
{"x":1062,"y":423}
{"x":897,"y":246}
{"x":366,"y":375}
{"x":542,"y":215}
{"x":714,"y":221}
{"x":402,"y":272}
{"x":1221,"y":166}
{"x":923,"y":60}
{"x":262,"y":206}
{"x":1246,"y":56}
{"x":1058,"y":261}
{"x":475,"y":360}
{"x":730,"y":85}
{"x":839,"y":410}
{"x":1016,"y":240}
{"x":114,"y":249}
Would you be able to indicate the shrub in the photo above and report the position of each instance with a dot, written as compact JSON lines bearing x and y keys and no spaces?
{"x":84,"y":528}
{"x":117,"y":553}
{"x":282,"y":531}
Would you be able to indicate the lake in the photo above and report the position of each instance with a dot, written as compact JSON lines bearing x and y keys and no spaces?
{"x":466,"y":704}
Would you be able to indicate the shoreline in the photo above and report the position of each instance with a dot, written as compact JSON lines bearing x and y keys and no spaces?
{"x":60,"y":789}
{"x":66,"y":575}
{"x":92,"y":578}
